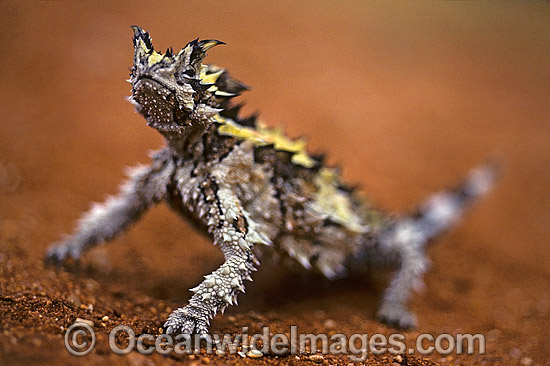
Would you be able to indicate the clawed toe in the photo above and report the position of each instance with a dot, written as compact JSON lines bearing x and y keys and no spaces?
{"x":56,"y":255}
{"x":180,"y":322}
{"x":396,"y":316}
{"x":62,"y":256}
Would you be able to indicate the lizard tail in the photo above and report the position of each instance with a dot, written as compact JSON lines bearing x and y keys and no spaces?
{"x":443,"y":209}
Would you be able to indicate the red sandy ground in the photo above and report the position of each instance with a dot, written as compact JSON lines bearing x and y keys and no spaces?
{"x":405,"y":96}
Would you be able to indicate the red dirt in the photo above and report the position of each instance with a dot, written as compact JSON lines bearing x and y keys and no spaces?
{"x":405,"y":96}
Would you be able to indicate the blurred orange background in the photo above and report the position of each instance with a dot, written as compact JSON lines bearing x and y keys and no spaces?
{"x":405,"y":96}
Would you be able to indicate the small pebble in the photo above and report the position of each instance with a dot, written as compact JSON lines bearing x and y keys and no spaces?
{"x":494,"y":334}
{"x":317,"y":358}
{"x":398,"y":358}
{"x":514,"y":352}
{"x":85,"y":321}
{"x":526,"y":361}
{"x":254,"y":353}
{"x":105,"y":318}
{"x":219,"y":352}
{"x":87,"y":307}
{"x":329,"y":323}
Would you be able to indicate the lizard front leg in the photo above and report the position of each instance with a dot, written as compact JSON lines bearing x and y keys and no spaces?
{"x":235,"y":234}
{"x":145,"y":186}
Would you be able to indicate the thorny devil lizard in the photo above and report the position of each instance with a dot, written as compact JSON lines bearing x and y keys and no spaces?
{"x":251,"y":187}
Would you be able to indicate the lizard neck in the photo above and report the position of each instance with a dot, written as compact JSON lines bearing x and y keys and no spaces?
{"x":187,"y":144}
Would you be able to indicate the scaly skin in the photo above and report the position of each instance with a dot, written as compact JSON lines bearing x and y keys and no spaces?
{"x":248,"y":187}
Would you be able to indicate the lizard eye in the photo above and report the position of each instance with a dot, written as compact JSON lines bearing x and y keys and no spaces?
{"x":189,"y":74}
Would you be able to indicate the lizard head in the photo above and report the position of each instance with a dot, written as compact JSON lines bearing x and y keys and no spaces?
{"x":176,"y":93}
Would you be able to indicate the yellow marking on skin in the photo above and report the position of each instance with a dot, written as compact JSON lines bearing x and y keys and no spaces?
{"x":184,"y":50}
{"x":303,"y":159}
{"x":281,"y":142}
{"x":143,"y":46}
{"x":154,"y":58}
{"x":333,"y":202}
{"x":212,"y":77}
{"x":230,"y":128}
{"x":220,"y":119}
{"x":221,"y":93}
{"x":264,"y":136}
{"x":329,"y":201}
{"x":205,"y":47}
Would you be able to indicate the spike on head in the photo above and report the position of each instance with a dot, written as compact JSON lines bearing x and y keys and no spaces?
{"x":141,"y":36}
{"x":168,"y":89}
{"x":195,"y":52}
{"x":143,"y":46}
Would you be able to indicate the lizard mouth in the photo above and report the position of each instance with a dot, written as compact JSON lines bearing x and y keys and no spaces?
{"x":159,"y":106}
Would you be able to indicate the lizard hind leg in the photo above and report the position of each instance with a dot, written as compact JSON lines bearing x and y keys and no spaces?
{"x":403,"y":244}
